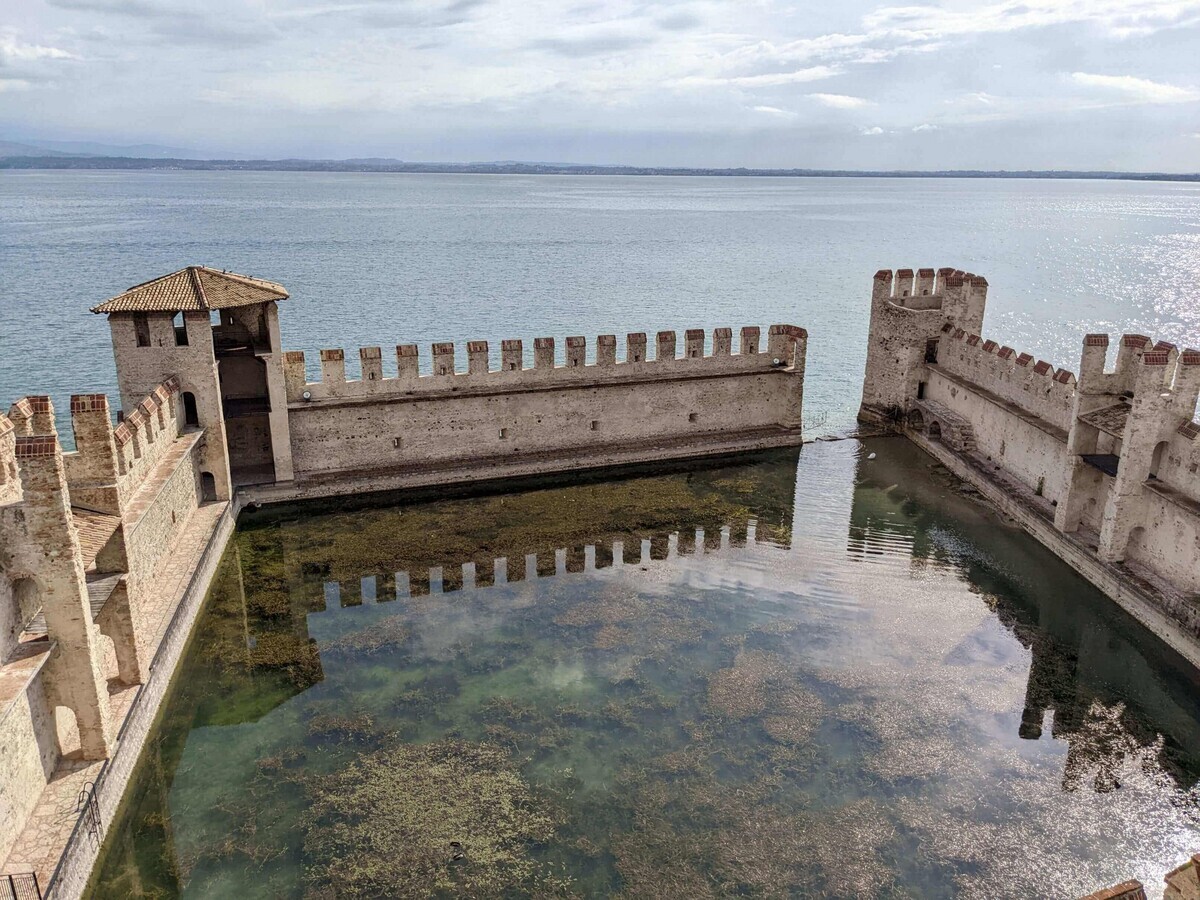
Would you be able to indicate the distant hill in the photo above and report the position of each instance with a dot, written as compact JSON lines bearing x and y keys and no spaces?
{"x":59,"y":160}
{"x":90,"y":149}
{"x":11,"y":148}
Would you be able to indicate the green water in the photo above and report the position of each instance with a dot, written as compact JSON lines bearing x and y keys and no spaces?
{"x":819,"y":673}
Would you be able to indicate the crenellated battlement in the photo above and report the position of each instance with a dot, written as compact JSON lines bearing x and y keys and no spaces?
{"x":10,"y":478}
{"x":141,"y":439}
{"x":960,"y":296}
{"x":1035,"y":386}
{"x":785,"y":350}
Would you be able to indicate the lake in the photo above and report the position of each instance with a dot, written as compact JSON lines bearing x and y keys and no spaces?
{"x":378,"y":260}
{"x":822,"y":672}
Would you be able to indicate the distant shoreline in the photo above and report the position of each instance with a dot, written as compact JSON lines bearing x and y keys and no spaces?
{"x":128,"y":163}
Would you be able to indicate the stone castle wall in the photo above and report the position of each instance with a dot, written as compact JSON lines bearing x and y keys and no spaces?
{"x":1111,"y":456}
{"x":378,"y":424}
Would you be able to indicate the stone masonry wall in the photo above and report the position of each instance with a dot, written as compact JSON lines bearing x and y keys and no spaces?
{"x":155,"y":532}
{"x":28,"y":753}
{"x":376,"y":423}
{"x":1025,"y":450}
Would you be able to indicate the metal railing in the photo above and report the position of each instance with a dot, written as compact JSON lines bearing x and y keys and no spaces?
{"x":20,"y":887}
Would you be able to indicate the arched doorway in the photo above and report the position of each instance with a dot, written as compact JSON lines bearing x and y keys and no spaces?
{"x":935,"y":431}
{"x":208,"y":486}
{"x":190,"y":416}
{"x":1160,"y":456}
{"x":66,"y":729}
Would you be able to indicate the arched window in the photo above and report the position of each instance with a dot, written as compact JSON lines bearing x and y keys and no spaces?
{"x":935,"y":431}
{"x":1160,"y":456}
{"x":208,"y":486}
{"x":28,"y":599}
{"x":190,"y":416}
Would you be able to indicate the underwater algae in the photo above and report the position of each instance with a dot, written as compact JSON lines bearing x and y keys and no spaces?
{"x":866,"y":713}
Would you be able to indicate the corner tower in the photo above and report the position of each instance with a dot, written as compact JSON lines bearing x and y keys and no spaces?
{"x":909,"y":313}
{"x":218,"y":333}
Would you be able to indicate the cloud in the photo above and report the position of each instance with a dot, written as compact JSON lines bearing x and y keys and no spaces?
{"x":774,"y":111}
{"x":768,"y":79}
{"x":1137,"y":90}
{"x":925,"y":126}
{"x":840,"y":101}
{"x":871,"y":132}
{"x":599,"y":43}
{"x":14,"y":50}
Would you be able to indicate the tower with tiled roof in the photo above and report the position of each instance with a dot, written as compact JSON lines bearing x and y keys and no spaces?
{"x":218,"y":333}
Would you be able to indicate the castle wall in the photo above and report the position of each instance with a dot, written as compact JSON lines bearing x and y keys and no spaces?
{"x":1167,"y":542}
{"x":378,"y":424}
{"x":28,"y":754}
{"x":1023,"y":449}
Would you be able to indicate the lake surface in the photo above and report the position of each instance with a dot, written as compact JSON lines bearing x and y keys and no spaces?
{"x":819,"y":672}
{"x":377,"y":260}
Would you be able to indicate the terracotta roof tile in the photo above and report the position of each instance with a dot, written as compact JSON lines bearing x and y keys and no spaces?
{"x":196,"y":288}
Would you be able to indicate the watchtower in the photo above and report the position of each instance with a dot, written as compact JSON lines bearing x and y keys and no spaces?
{"x":217,"y":333}
{"x":908,"y":312}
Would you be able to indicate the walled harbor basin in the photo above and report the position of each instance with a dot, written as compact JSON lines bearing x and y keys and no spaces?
{"x":824,"y":672}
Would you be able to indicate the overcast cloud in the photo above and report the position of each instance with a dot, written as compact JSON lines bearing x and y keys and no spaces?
{"x":1082,"y":84}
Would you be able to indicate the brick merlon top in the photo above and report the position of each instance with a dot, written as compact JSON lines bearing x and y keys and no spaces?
{"x":332,"y":355}
{"x":1155,"y":358}
{"x":85,"y":403}
{"x":954,"y":280}
{"x":947,"y":328}
{"x":1043,"y":367}
{"x":990,"y":346}
{"x":172,"y":385}
{"x":135,"y":419}
{"x":122,"y":434}
{"x":607,"y":340}
{"x":1064,"y":376}
{"x":925,"y":273}
{"x":636,"y":337}
{"x":666,"y":336}
{"x":38,"y":446}
{"x":544,"y":343}
{"x":148,"y":405}
{"x":694,"y":334}
{"x":722,"y":332}
{"x":370,"y":353}
{"x":1190,"y":430}
{"x":1190,"y":357}
{"x":959,"y":333}
{"x":443,"y":348}
{"x":883,"y":275}
{"x":1006,"y":352}
{"x":751,"y":331}
{"x":1095,"y":340}
{"x":477,"y":346}
{"x":1165,"y":345}
{"x":5,"y":425}
{"x":977,"y":280}
{"x":904,"y":273}
{"x":944,"y":271}
{"x":511,"y":344}
{"x":40,"y":403}
{"x":794,"y":331}
{"x":1024,"y":359}
{"x":407,"y":350}
{"x":1126,"y":890}
{"x":295,"y":357}
{"x":973,"y":339}
{"x":576,"y":341}
{"x":1135,"y":340}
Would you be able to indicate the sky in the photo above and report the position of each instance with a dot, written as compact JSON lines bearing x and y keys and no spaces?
{"x":1046,"y":84}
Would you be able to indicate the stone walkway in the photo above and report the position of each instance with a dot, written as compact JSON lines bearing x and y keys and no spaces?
{"x":52,"y":820}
